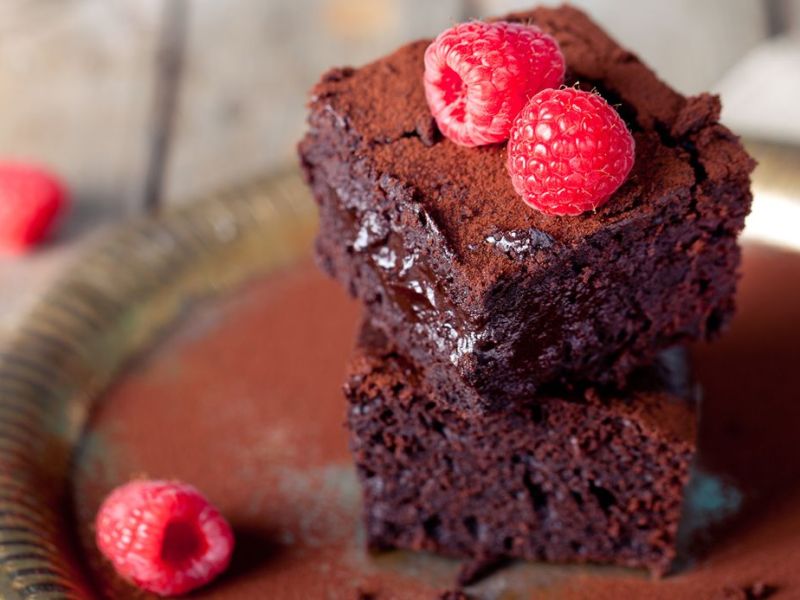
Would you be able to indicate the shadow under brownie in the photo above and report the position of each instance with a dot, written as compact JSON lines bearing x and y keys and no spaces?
{"x":495,"y":296}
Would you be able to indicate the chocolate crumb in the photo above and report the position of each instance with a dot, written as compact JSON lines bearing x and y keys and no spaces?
{"x":476,"y":569}
{"x":761,"y":590}
{"x":758,"y":590}
{"x":453,"y":595}
{"x":732,"y":593}
{"x":427,"y":130}
{"x":337,"y":74}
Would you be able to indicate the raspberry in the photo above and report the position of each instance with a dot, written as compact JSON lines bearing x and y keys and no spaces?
{"x":478,"y":76}
{"x":30,"y":200}
{"x":569,"y":151}
{"x":164,"y":536}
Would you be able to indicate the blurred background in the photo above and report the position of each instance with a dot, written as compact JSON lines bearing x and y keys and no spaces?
{"x":144,"y":103}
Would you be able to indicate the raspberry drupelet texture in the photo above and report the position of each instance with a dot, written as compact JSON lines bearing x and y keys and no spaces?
{"x":164,"y":536}
{"x":478,"y":76}
{"x":31,"y":199}
{"x":569,"y":151}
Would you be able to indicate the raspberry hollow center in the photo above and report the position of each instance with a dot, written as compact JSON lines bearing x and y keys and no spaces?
{"x":453,"y":87}
{"x":183,"y":541}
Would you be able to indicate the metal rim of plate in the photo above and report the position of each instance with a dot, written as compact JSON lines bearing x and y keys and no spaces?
{"x":120,"y":294}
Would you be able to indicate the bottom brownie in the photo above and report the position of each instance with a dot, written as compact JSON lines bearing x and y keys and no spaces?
{"x":567,"y":479}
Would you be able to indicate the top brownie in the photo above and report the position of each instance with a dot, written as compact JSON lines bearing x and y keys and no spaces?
{"x":493,"y":296}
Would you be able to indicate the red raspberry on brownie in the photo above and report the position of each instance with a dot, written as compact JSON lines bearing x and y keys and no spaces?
{"x":569,"y":152}
{"x":478,"y":76}
{"x":164,"y":536}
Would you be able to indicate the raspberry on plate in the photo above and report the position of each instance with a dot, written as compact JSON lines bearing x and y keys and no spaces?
{"x":569,"y":152}
{"x":30,"y":200}
{"x":478,"y":76}
{"x":164,"y":536}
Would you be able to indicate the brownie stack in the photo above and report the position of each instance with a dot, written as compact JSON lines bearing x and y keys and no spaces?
{"x":510,"y":394}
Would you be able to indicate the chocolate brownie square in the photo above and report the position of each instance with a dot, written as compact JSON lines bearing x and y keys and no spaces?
{"x":578,"y":478}
{"x":491,"y":295}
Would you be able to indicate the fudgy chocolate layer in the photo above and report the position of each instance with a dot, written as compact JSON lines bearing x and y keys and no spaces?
{"x":493,"y":296}
{"x":592,"y":478}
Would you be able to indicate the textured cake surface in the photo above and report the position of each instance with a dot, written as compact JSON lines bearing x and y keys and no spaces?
{"x":586,"y":479}
{"x":495,"y":296}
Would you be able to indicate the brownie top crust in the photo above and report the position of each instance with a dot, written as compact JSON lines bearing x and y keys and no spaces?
{"x":466,"y":193}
